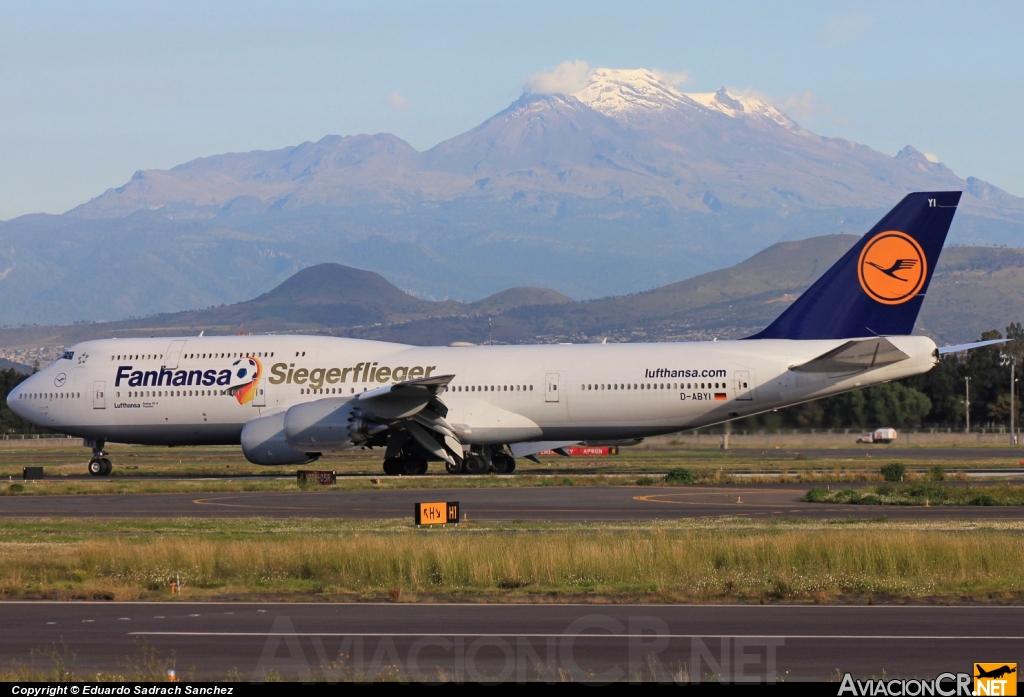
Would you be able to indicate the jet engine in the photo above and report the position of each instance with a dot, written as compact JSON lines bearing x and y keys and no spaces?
{"x":264,"y":443}
{"x":329,"y":424}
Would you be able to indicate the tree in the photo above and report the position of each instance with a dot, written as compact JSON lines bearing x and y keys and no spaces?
{"x":9,"y":421}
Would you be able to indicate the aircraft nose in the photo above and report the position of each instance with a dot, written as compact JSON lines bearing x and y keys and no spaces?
{"x":16,"y":401}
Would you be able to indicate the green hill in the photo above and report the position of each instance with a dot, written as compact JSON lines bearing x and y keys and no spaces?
{"x":974,"y":289}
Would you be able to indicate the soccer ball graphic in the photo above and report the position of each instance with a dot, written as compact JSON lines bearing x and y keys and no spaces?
{"x":243,"y":372}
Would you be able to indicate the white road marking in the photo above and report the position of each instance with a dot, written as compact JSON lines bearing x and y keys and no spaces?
{"x":871,"y":637}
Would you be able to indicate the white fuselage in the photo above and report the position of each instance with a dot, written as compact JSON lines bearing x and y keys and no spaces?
{"x":177,"y":391}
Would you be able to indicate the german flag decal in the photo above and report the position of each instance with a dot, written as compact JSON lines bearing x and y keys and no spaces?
{"x":720,"y":397}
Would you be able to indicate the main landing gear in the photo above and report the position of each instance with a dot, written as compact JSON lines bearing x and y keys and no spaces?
{"x":477,"y":460}
{"x":407,"y":464}
{"x":99,"y":465}
{"x":484,"y":459}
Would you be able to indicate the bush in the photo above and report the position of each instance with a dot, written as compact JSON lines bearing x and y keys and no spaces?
{"x":982,"y":500}
{"x":816,"y":495}
{"x":933,"y":493}
{"x":680,"y":476}
{"x":893,"y":472}
{"x":15,"y":488}
{"x":645,"y":481}
{"x":936,"y":474}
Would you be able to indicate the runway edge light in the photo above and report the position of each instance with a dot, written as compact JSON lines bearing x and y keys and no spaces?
{"x":436,"y":513}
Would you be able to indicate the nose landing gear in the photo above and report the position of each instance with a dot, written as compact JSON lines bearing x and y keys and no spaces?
{"x":99,"y":465}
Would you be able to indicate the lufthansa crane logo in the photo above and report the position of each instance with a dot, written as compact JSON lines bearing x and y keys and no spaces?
{"x":892,"y":267}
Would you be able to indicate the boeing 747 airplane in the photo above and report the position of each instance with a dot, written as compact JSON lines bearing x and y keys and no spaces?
{"x":289,"y":399}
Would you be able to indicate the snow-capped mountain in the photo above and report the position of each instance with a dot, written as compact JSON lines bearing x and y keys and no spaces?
{"x":622,"y":94}
{"x":625,"y":135}
{"x":622,"y":183}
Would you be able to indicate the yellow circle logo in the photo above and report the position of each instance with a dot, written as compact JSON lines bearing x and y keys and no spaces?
{"x":892,"y":267}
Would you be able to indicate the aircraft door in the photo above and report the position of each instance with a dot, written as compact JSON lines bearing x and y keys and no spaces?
{"x":260,"y":398}
{"x":743,"y":385}
{"x":99,"y":396}
{"x":173,"y":354}
{"x":551,"y":388}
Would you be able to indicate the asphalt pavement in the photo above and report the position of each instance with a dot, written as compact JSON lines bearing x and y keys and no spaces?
{"x":510,"y":642}
{"x":555,"y":503}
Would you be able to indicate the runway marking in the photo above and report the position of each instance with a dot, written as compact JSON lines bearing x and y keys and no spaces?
{"x":215,"y":502}
{"x":218,"y":502}
{"x":870,"y":637}
{"x":728,"y":493}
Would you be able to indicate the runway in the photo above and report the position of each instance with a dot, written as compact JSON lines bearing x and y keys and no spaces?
{"x":564,"y":504}
{"x":870,"y":453}
{"x":873,"y":453}
{"x":515,"y":642}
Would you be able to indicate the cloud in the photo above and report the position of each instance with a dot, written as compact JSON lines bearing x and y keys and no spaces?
{"x":564,"y":78}
{"x":676,"y":79}
{"x":803,"y":106}
{"x":397,"y":101}
{"x":843,"y":30}
{"x":931,"y":157}
{"x":796,"y":106}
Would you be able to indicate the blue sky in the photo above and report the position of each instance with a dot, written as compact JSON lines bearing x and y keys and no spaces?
{"x":91,"y":92}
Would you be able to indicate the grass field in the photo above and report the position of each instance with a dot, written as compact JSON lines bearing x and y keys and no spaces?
{"x":716,"y":561}
{"x":154,"y":469}
{"x":923,"y":494}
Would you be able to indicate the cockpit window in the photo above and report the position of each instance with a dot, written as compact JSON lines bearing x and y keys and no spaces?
{"x":68,"y":355}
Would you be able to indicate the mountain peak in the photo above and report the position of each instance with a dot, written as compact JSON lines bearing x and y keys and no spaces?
{"x":738,"y":106}
{"x":624,"y":93}
{"x":616,"y":92}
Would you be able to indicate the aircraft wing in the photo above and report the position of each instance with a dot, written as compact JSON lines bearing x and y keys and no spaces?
{"x":403,"y":399}
{"x":854,"y":356}
{"x":412,"y":409}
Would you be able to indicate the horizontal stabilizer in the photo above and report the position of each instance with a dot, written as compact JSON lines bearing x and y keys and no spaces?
{"x":854,"y":356}
{"x":967,"y":347}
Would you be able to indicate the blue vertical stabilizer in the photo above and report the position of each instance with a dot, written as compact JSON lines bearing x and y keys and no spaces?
{"x":878,"y":286}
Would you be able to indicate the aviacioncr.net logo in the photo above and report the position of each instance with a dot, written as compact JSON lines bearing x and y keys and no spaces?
{"x":892,"y":268}
{"x":245,"y":378}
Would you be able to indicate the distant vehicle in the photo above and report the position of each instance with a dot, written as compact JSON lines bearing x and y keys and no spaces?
{"x":879,"y":435}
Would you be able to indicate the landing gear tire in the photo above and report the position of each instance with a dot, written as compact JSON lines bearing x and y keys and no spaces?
{"x":414,"y":464}
{"x":476,"y":464}
{"x":392,"y":466}
{"x":454,"y":467}
{"x":503,"y":463}
{"x":100,"y":467}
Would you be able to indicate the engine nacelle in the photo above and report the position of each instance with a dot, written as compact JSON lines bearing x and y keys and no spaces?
{"x":264,"y":443}
{"x":329,"y":424}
